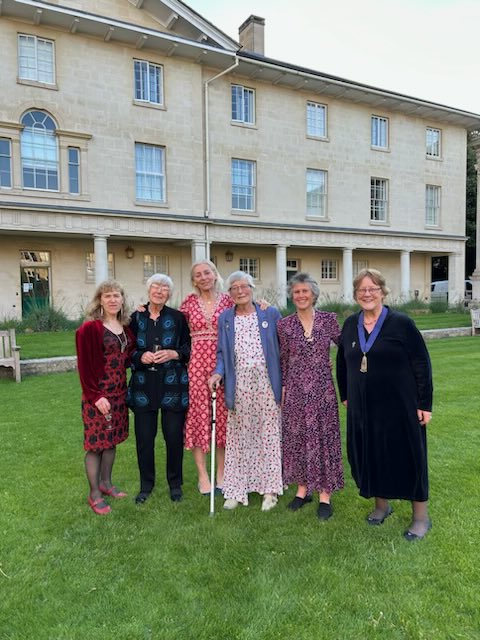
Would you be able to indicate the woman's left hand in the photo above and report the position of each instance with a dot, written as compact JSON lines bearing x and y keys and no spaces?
{"x":424,"y":417}
{"x":164,"y":355}
{"x":263,"y":304}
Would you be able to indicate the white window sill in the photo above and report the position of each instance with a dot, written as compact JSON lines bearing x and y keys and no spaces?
{"x":244,"y":125}
{"x":312,"y":216}
{"x":380,"y":223}
{"x":149,"y":105}
{"x":434,"y":158}
{"x":244,"y":212}
{"x":309,"y":136}
{"x":36,"y":83}
{"x":384,"y":149}
{"x":151,"y":203}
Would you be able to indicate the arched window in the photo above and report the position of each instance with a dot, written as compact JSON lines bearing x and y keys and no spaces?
{"x":39,"y":151}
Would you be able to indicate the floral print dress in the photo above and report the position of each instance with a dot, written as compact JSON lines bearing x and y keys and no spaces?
{"x":253,"y":451}
{"x":204,"y":332}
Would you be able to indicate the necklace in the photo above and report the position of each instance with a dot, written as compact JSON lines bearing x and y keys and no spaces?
{"x":308,"y":328}
{"x":121,"y":337}
{"x":123,"y":340}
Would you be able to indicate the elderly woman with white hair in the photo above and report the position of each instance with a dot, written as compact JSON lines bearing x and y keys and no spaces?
{"x":248,"y":362}
{"x":159,"y":382}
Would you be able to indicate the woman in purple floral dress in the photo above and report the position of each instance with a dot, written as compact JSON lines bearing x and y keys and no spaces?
{"x":312,"y":455}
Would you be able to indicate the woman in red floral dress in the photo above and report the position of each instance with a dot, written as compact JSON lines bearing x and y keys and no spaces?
{"x":104,"y":343}
{"x":202,"y":310}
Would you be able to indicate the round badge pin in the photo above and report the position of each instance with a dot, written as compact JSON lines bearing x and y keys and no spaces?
{"x":264,"y":324}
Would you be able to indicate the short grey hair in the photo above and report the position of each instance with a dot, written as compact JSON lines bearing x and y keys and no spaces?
{"x":162,"y":279}
{"x":304,"y":278}
{"x":239,"y":275}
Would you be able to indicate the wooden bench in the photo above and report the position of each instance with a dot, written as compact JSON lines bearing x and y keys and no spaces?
{"x":9,"y":352}
{"x":475,"y":315}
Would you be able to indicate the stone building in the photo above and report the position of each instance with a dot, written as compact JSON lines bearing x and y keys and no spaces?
{"x":136,"y":137}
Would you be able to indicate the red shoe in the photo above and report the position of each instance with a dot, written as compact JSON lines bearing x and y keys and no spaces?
{"x":114,"y":492}
{"x":99,"y":506}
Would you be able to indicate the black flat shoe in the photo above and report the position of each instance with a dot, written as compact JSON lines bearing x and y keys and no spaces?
{"x":297,"y":503}
{"x":176,"y":494}
{"x":142,"y":497}
{"x":410,"y":536}
{"x":377,"y":521}
{"x":324,"y":511}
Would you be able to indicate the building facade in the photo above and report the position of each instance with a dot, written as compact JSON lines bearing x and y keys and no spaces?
{"x":136,"y":137}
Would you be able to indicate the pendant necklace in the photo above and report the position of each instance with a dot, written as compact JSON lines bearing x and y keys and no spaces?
{"x":308,"y":333}
{"x":366,"y":345}
{"x":123,"y":340}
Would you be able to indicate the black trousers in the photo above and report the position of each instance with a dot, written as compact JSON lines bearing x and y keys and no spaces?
{"x":146,"y":426}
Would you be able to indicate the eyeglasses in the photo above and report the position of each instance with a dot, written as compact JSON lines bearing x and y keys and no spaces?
{"x":368,"y":290}
{"x":240,"y":287}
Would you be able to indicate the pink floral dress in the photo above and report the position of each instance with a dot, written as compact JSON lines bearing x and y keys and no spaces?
{"x":204,"y":332}
{"x":253,"y":452}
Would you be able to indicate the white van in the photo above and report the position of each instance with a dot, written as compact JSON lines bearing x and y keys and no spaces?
{"x":439,"y":290}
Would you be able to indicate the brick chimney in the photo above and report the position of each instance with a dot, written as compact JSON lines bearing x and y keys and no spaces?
{"x":251,"y":35}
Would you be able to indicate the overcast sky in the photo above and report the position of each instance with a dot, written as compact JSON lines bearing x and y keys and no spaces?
{"x":423,"y":48}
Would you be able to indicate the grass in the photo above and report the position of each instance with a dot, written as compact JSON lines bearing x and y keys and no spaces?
{"x":46,"y":344}
{"x":168,"y":571}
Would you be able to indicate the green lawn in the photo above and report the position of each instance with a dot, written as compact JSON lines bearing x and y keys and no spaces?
{"x":62,"y":343}
{"x":168,"y":571}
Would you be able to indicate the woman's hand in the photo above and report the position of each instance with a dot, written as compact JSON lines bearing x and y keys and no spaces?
{"x":147,"y":358}
{"x":424,"y":417}
{"x":214,"y":381}
{"x":164,"y":355}
{"x":282,"y":401}
{"x":141,"y":308}
{"x":263,"y":304}
{"x":103,"y":405}
{"x":344,"y":403}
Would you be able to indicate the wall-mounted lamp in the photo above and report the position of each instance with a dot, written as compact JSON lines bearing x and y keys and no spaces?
{"x":228,"y":255}
{"x":129,"y":252}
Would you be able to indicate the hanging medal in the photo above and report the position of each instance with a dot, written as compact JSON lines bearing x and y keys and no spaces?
{"x":366,"y":345}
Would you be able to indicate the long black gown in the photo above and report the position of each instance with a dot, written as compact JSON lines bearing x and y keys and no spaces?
{"x":386,"y":445}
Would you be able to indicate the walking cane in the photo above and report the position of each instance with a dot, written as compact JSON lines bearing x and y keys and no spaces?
{"x":212,"y":451}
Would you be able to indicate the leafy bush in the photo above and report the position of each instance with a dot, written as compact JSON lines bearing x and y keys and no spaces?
{"x":41,"y":317}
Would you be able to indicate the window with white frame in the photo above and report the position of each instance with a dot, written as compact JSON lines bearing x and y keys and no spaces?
{"x":154,"y":264}
{"x":73,"y":170}
{"x":329,"y":269}
{"x":379,"y":132}
{"x":39,"y":151}
{"x":293,"y":267}
{"x":5,"y":163}
{"x":243,"y":104}
{"x":243,"y":184}
{"x":148,"y":82}
{"x":150,"y":172}
{"x":316,"y":120}
{"x":317,"y":193}
{"x":90,"y":266}
{"x":378,"y":200}
{"x":359,"y":265}
{"x":433,"y":142}
{"x":432,"y":205}
{"x":36,"y":59}
{"x":251,"y":266}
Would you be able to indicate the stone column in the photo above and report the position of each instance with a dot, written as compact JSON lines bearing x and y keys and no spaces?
{"x":200,"y":250}
{"x":347,"y":275}
{"x":405,"y":275}
{"x":101,"y":258}
{"x":281,"y":263}
{"x":475,"y":277}
{"x":456,"y":278}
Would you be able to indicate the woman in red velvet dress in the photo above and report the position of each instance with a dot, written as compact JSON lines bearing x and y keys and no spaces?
{"x":104,"y":343}
{"x":202,"y":310}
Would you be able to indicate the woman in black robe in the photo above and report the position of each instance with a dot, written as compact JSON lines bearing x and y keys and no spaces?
{"x":385,"y":381}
